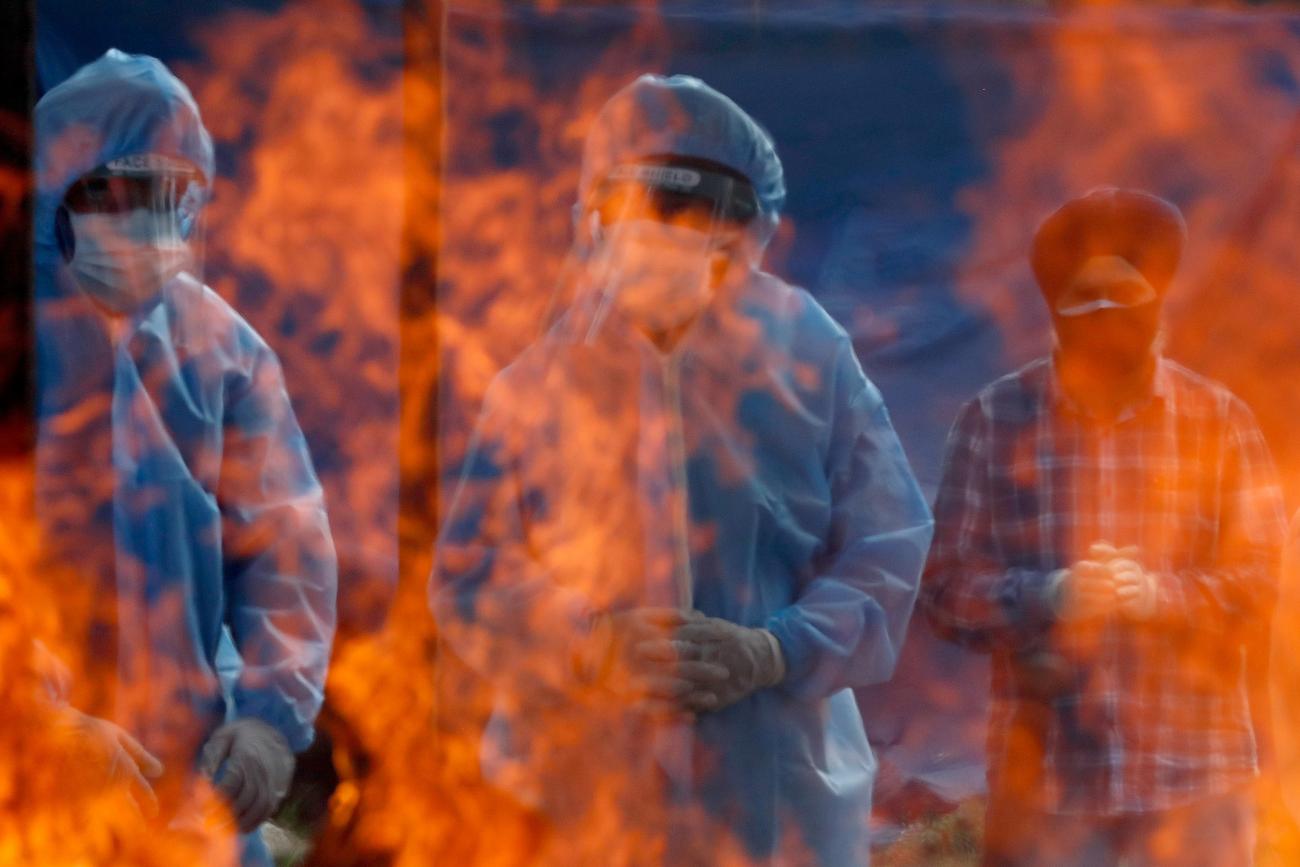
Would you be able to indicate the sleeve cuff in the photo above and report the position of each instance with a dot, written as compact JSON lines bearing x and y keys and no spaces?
{"x":778,"y":656}
{"x":277,"y":713}
{"x":1041,"y":598}
{"x":797,"y":657}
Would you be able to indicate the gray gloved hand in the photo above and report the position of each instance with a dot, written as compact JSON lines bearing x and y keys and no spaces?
{"x":634,"y":656}
{"x":110,"y":757}
{"x":258,"y":767}
{"x":752,"y":658}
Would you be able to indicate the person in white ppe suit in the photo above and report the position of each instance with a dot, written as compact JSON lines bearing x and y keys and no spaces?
{"x":686,"y":529}
{"x":171,"y":470}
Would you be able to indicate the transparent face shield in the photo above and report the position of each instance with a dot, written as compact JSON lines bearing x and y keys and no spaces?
{"x":130,"y":231}
{"x":653,"y":244}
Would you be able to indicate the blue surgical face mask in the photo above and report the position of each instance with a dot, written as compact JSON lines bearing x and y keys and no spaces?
{"x":123,"y":260}
{"x":656,"y":274}
{"x":1115,"y":340}
{"x":1104,"y":283}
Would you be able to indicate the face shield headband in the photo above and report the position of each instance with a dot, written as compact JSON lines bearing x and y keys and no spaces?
{"x":673,"y":189}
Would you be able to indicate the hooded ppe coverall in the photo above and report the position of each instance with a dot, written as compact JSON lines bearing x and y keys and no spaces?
{"x":211,"y":518}
{"x":750,"y":473}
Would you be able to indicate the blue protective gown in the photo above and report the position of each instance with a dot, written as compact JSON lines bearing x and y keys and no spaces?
{"x":750,"y":473}
{"x":211,"y":521}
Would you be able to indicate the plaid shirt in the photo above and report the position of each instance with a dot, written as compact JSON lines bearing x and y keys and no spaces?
{"x":1120,"y":716}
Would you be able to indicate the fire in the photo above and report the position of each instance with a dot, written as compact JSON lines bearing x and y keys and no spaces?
{"x":317,"y":216}
{"x":1198,"y":109}
{"x":1126,"y":101}
{"x":53,"y":810}
{"x":412,"y":790}
{"x":349,"y":224}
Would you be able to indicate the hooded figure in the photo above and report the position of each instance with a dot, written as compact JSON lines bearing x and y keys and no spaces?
{"x":686,"y":530}
{"x":172,"y":472}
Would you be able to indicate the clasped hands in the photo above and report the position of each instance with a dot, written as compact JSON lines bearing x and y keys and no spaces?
{"x":667,"y":661}
{"x":1110,"y":580}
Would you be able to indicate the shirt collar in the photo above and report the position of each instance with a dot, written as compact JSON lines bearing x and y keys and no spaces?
{"x":1157,"y":392}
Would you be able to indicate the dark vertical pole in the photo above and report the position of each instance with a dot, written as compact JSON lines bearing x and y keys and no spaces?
{"x":17,"y":37}
{"x":344,"y":842}
{"x":418,"y":444}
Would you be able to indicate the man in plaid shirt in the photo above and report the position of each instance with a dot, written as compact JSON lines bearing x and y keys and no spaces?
{"x":1108,"y":528}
